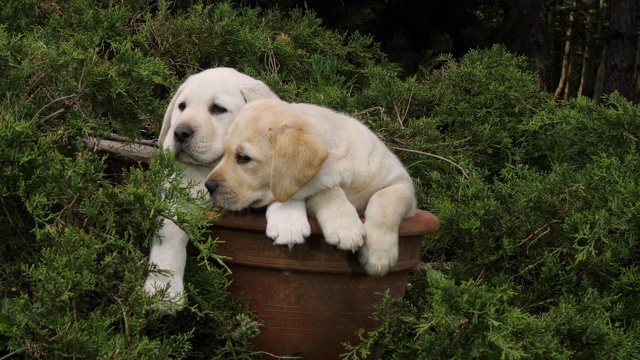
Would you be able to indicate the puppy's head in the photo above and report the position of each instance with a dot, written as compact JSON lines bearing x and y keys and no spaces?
{"x":202,"y":110}
{"x":271,"y":152}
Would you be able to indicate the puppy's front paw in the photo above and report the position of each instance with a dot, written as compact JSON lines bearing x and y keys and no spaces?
{"x":289,"y":233}
{"x":345,"y":235}
{"x":378,"y":261}
{"x":287,"y":225}
{"x":172,"y":290}
{"x":342,"y":227}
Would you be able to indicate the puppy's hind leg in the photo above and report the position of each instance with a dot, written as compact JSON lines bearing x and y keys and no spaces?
{"x":385,"y":211}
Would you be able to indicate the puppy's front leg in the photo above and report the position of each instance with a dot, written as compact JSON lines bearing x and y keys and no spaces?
{"x":287,"y":222}
{"x":338,"y":219}
{"x":385,"y":211}
{"x":169,"y":253}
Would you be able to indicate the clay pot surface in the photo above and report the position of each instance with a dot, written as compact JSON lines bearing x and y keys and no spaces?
{"x":314,"y":297}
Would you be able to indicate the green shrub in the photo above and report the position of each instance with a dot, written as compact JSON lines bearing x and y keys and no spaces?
{"x":458,"y":321}
{"x":538,"y":200}
{"x":541,"y":236}
{"x":76,"y":225}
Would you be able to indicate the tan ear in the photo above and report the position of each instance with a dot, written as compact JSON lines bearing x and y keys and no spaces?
{"x":298,"y":155}
{"x":166,"y":121}
{"x":256,"y":90}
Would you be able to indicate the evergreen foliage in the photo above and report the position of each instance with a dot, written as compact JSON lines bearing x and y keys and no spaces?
{"x":540,"y":236}
{"x":538,"y":199}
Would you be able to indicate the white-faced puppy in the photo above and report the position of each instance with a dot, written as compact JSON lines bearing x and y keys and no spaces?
{"x":194,"y":126}
{"x":285,"y":154}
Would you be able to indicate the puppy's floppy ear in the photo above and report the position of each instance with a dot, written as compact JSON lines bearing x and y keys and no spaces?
{"x":255,"y":90}
{"x":298,"y":155}
{"x":166,"y":121}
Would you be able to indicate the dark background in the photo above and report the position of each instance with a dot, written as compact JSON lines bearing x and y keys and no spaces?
{"x":587,"y":47}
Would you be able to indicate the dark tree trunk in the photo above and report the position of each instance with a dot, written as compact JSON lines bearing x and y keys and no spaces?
{"x":529,"y":34}
{"x":621,"y":47}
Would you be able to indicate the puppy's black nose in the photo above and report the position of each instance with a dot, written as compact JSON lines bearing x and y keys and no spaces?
{"x":183,"y":133}
{"x":211,"y":186}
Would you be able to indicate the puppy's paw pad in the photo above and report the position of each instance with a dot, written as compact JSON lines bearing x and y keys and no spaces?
{"x":347,"y":236}
{"x":169,"y":308}
{"x":378,"y":262}
{"x":287,"y":223}
{"x":289,"y":234}
{"x":343,"y":228}
{"x":172,"y":295}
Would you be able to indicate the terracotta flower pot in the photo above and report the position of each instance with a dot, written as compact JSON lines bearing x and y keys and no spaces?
{"x":313,"y":297}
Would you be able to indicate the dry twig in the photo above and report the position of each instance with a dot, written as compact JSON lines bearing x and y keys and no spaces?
{"x":544,"y":228}
{"x":464,"y":173}
{"x":535,"y":264}
{"x":127,"y":151}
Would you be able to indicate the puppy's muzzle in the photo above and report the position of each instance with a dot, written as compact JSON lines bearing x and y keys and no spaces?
{"x":211,"y":186}
{"x":183,"y":133}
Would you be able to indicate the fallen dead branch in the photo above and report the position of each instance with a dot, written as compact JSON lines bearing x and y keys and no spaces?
{"x":125,"y":149}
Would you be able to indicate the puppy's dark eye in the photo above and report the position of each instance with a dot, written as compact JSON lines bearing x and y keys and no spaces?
{"x":182,"y":106}
{"x":242,"y":159}
{"x":217,"y":109}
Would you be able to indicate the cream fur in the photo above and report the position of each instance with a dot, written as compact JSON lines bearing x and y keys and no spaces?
{"x":228,"y":90}
{"x":283,"y":155}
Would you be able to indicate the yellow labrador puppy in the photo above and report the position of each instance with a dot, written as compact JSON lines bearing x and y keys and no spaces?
{"x":283,"y":155}
{"x":194,"y":126}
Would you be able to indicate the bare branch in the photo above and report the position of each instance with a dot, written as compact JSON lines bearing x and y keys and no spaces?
{"x":631,"y":137}
{"x":544,"y":228}
{"x":464,"y":173}
{"x":127,"y":151}
{"x":121,"y":138}
{"x":270,"y":355}
{"x":536,"y":263}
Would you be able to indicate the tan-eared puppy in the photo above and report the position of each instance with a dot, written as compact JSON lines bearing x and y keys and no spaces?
{"x":194,"y":126}
{"x":291,"y":155}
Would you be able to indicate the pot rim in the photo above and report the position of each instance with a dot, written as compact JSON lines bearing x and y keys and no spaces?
{"x":422,"y":223}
